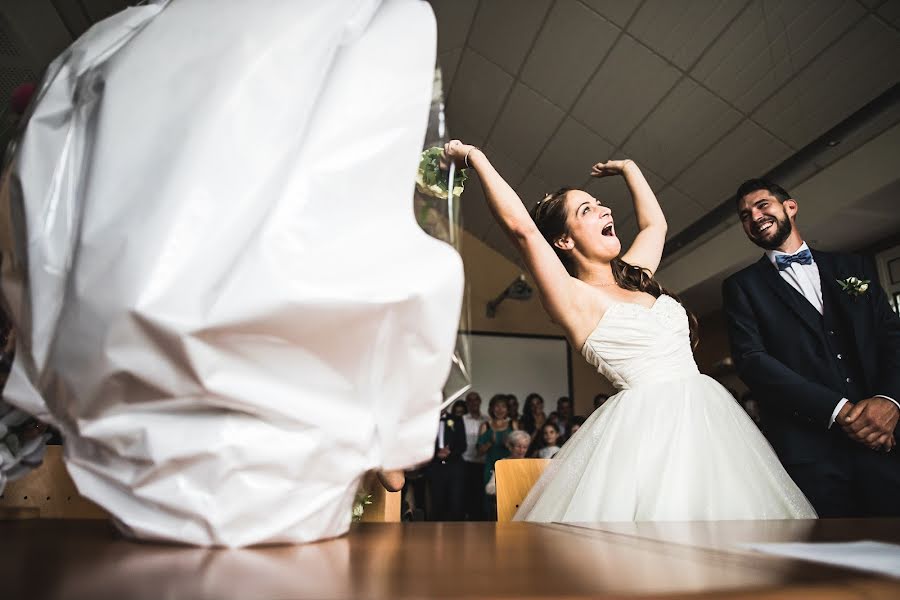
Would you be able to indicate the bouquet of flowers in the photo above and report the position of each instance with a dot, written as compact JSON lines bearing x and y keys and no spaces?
{"x":433,"y":181}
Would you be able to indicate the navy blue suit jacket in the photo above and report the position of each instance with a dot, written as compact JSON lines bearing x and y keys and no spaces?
{"x":780,"y":351}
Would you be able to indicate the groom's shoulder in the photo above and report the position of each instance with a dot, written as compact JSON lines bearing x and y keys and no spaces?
{"x":843,"y":259}
{"x":746,"y":274}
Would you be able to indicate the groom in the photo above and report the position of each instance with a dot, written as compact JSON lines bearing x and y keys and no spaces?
{"x":821,"y":357}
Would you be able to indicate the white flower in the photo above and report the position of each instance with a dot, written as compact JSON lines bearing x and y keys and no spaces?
{"x":854,"y":286}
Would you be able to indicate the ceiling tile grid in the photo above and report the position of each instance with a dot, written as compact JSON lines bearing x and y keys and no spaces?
{"x":701,"y":93}
{"x":768,"y":44}
{"x":526,"y":123}
{"x":687,"y":122}
{"x":568,"y":50}
{"x":748,"y":149}
{"x":556,"y":163}
{"x":505,"y":29}
{"x":680,"y":209}
{"x":631,"y":81}
{"x":682,"y":30}
{"x":479,"y":90}
{"x":849,"y":73}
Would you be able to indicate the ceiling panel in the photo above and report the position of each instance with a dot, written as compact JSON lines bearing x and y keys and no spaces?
{"x":679,"y":208}
{"x":890,"y":11}
{"x":850,"y":142}
{"x":567,"y":52}
{"x":681,"y":128}
{"x":613,"y":192}
{"x":453,"y":22}
{"x":568,"y":158}
{"x":504,"y":30}
{"x":476,"y":216}
{"x":448,"y":62}
{"x":626,"y":230}
{"x":847,"y":75}
{"x":681,"y":30}
{"x":478,"y":92}
{"x":746,"y":152}
{"x":630,"y":83}
{"x":768,"y":44}
{"x":532,"y":189}
{"x":617,"y":11}
{"x":511,"y":171}
{"x":527,"y":122}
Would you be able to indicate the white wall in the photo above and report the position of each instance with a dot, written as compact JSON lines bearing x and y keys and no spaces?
{"x":519,"y":365}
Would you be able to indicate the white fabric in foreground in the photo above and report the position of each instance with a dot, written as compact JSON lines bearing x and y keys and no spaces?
{"x":221,"y":291}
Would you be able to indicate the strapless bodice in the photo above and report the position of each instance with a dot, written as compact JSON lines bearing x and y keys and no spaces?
{"x":634,"y":345}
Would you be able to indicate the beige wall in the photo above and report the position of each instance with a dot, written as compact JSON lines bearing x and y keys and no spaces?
{"x":487,"y":274}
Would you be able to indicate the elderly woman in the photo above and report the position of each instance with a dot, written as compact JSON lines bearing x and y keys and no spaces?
{"x":517,"y":443}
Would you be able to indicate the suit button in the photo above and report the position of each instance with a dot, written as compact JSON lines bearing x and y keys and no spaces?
{"x":831,"y":332}
{"x":839,"y":357}
{"x":848,"y":380}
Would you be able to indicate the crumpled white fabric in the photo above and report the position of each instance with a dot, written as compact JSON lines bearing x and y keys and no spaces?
{"x":222,"y":297}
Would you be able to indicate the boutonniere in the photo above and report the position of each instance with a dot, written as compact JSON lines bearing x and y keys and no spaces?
{"x":450,"y":423}
{"x":854,"y":286}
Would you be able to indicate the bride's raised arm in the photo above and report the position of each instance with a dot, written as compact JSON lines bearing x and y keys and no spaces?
{"x":551,"y":277}
{"x":646,"y":250}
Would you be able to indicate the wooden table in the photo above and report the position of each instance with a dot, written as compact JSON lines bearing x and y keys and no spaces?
{"x":74,"y":559}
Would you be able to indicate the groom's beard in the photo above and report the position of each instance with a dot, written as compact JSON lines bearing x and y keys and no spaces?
{"x":775,"y":239}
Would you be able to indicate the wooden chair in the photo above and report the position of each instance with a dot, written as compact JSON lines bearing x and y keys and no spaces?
{"x":385,"y":507}
{"x":47,"y":492}
{"x":515,"y":478}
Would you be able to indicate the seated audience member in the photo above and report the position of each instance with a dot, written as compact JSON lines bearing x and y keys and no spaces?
{"x":517,"y":443}
{"x":513,"y":407}
{"x":600,"y":399}
{"x":563,"y":414}
{"x":534,"y":416}
{"x":577,"y":422}
{"x":458,"y":409}
{"x":550,"y":438}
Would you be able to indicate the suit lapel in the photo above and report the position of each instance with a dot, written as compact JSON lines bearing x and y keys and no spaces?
{"x":794,"y":300}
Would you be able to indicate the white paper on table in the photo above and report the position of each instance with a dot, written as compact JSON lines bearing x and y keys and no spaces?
{"x":866,"y":555}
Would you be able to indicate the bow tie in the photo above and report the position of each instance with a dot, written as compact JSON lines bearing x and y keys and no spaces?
{"x":783,"y":261}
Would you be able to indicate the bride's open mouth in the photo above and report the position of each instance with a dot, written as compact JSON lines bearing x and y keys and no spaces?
{"x":608,"y":230}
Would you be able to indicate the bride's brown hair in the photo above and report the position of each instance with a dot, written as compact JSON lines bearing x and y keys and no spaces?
{"x":551,"y":219}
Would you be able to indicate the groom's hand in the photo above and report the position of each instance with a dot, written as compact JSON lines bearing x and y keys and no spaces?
{"x":871,"y":422}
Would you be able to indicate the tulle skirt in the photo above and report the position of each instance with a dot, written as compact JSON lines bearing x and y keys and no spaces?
{"x":681,"y":450}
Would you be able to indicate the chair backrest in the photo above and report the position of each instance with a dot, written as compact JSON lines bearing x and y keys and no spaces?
{"x":515,"y":477}
{"x":385,"y":507}
{"x":47,"y":492}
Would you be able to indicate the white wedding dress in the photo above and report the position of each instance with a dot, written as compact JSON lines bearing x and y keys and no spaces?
{"x":672,"y":445}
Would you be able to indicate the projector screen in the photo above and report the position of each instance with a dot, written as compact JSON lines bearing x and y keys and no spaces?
{"x":520,"y":365}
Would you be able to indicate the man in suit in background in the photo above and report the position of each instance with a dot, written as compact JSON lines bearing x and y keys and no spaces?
{"x":821,"y":353}
{"x":446,"y":471}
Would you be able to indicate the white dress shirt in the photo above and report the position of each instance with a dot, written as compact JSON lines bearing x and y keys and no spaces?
{"x":473,"y":427}
{"x":806,"y":280}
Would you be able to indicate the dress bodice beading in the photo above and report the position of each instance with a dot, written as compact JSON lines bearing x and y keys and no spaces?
{"x":634,"y":345}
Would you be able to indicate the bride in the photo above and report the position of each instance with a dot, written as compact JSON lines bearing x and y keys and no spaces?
{"x":672,"y":444}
